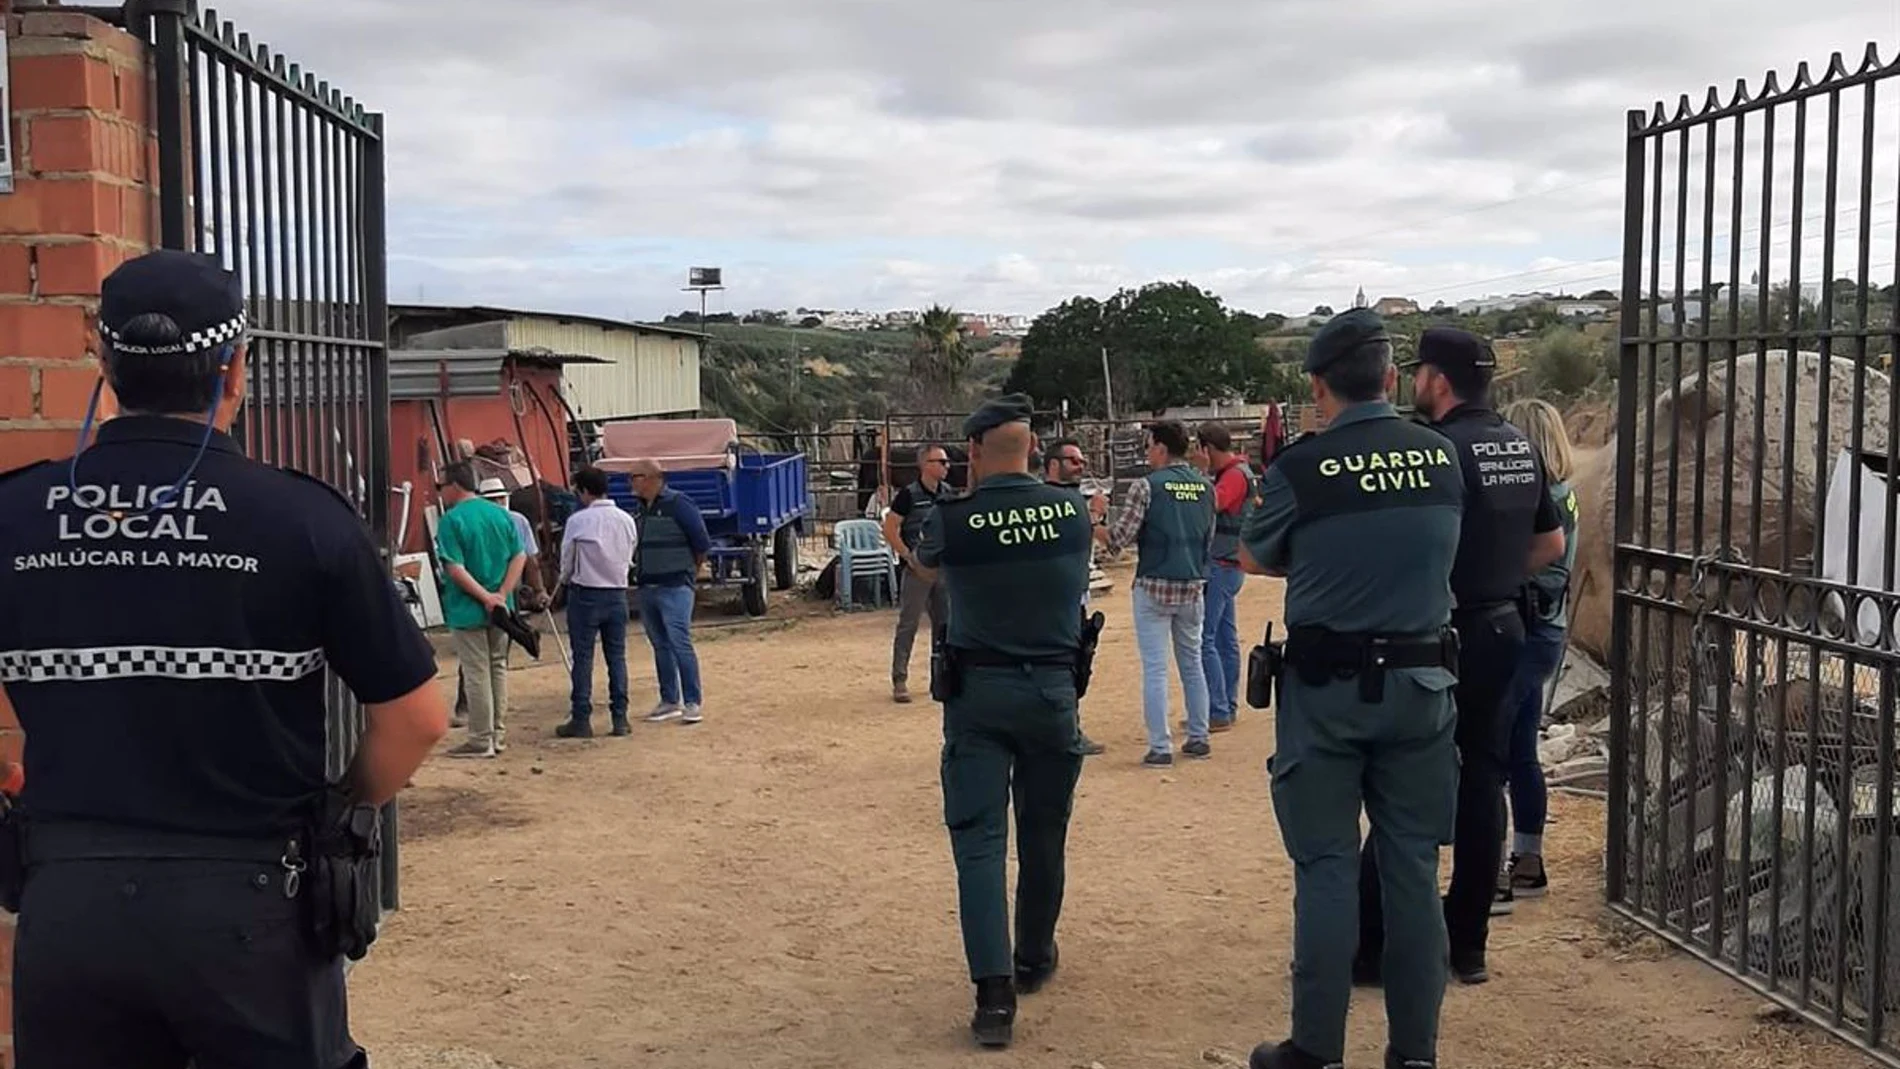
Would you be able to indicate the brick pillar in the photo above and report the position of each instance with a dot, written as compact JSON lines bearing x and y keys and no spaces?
{"x":83,"y":202}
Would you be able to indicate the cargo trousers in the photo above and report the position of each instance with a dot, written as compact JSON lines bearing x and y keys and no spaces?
{"x":1396,"y":758}
{"x":1010,"y":742}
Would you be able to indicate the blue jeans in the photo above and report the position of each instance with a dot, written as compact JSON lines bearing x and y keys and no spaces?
{"x":1156,"y":628}
{"x":1220,"y":642}
{"x":1530,"y":800}
{"x":595,"y":612}
{"x":667,"y":614}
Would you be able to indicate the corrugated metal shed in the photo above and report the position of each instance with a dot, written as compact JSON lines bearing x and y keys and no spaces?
{"x":648,"y":373}
{"x":639,"y":369}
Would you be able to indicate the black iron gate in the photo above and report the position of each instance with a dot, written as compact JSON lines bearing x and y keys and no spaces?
{"x":282,"y":177}
{"x":1752,"y":794}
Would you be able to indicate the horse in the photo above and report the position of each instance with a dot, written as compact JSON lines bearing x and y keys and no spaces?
{"x":903,"y":466}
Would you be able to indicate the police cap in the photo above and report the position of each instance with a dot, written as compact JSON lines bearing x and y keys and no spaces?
{"x":1447,"y":348}
{"x":1343,"y":334}
{"x":1010,"y":408}
{"x":203,"y":302}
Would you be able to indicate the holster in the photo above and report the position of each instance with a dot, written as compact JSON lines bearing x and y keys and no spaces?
{"x":946,"y":673}
{"x":12,"y":856}
{"x":1321,"y":656}
{"x":345,"y":898}
{"x":1092,"y":625}
{"x":1529,"y":604}
{"x":1264,"y":663}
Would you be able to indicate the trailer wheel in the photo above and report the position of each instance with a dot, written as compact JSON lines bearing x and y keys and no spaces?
{"x":784,"y":557}
{"x":752,"y":594}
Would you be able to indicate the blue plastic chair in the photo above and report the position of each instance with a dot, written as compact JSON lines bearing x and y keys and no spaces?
{"x":863,"y":553}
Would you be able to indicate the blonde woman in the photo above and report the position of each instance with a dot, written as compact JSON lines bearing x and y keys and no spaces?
{"x":1524,"y":875}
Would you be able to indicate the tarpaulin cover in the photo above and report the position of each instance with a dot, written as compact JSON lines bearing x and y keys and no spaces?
{"x":674,"y":444}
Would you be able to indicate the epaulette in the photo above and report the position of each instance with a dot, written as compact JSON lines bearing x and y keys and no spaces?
{"x":333,"y":491}
{"x":16,"y":472}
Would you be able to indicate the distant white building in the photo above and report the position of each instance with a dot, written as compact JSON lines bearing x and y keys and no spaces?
{"x":1585,"y":311}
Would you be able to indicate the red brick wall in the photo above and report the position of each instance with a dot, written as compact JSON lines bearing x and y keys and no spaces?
{"x":83,"y":202}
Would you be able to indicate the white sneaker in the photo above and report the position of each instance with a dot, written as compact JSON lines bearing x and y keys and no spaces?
{"x":692,"y":715}
{"x":663,"y":712}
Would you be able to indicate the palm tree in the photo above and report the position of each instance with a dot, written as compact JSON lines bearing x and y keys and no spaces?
{"x":938,"y":359}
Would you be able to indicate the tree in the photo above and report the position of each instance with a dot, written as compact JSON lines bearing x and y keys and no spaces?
{"x":1169,"y":343}
{"x":1564,"y":362}
{"x":1323,"y":310}
{"x":938,"y":358}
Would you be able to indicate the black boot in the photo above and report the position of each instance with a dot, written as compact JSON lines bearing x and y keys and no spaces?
{"x":1286,"y":1056}
{"x":1467,"y":967}
{"x":1393,"y":1061}
{"x":994,"y":1022}
{"x":1029,"y":979}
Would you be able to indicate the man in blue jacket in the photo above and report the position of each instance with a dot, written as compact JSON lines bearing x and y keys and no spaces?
{"x":673,"y":544}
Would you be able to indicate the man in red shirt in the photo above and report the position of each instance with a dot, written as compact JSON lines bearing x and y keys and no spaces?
{"x":1220,"y":634}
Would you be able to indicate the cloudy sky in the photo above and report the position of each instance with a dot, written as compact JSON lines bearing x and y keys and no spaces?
{"x":1002,"y":155}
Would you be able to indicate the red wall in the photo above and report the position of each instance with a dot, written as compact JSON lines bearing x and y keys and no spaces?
{"x":481,"y":420}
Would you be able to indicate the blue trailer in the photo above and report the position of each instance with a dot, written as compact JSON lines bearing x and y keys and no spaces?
{"x":755,"y":506}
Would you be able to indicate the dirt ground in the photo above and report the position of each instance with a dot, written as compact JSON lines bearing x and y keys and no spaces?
{"x":773,"y":888}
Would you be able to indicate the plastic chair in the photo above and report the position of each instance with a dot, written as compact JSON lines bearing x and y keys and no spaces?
{"x":863,"y":553}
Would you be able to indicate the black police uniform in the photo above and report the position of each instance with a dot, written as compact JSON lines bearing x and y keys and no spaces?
{"x":1363,"y":520}
{"x":1506,"y":501}
{"x":1013,"y":558}
{"x":168,"y":663}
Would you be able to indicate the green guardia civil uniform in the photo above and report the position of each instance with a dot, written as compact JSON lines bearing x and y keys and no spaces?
{"x":1013,"y":557}
{"x":1363,"y":519}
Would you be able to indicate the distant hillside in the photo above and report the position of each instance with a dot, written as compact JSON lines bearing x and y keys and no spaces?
{"x":788,"y":379}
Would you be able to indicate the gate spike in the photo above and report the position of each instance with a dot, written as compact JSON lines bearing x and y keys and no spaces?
{"x":1803,"y":78}
{"x":1661,"y":116}
{"x":228,"y":33}
{"x":1683,"y":110}
{"x":208,"y":18}
{"x":1713,"y":103}
{"x":1870,"y":60}
{"x":1741,"y":93}
{"x":1836,"y":68}
{"x":244,"y":45}
{"x":1770,"y":86}
{"x":277,"y":65}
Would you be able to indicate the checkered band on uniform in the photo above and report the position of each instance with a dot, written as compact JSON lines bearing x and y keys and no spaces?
{"x":197,"y":341}
{"x":163,"y":662}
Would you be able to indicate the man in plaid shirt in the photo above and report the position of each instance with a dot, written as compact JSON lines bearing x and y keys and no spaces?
{"x":1169,"y":517}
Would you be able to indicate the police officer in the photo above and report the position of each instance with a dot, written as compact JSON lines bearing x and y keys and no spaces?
{"x":1511,"y":530}
{"x":1013,"y":556}
{"x":1062,"y":463}
{"x":1362,"y":519}
{"x":903,"y":527}
{"x":168,"y":609}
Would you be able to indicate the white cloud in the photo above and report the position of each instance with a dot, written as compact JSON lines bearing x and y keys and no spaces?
{"x":1004,"y":156}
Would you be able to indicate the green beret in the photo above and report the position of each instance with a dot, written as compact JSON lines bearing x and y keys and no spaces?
{"x":1342,"y":334}
{"x":1010,"y":408}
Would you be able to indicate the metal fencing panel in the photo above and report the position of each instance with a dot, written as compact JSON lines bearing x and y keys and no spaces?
{"x":281,"y":177}
{"x":1753,"y":633}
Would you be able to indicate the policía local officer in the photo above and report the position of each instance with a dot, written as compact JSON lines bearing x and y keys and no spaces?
{"x":1362,"y":519}
{"x":167,"y":610}
{"x":1013,"y":555}
{"x":1511,"y":530}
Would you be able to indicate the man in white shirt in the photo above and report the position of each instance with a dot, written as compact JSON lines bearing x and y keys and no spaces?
{"x":596,"y":558}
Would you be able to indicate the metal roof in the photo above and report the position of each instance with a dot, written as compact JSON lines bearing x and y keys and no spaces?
{"x":492,"y":312}
{"x":416,"y":374}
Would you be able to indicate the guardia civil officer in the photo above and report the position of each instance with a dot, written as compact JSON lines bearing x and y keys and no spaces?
{"x":168,"y":608}
{"x":1362,"y":519}
{"x":1013,"y":556}
{"x":1511,"y":530}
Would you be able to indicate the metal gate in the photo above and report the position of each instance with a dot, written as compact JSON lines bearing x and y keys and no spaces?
{"x":282,"y":177}
{"x":1752,"y":796}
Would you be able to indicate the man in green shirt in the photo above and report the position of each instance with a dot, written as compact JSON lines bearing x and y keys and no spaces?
{"x":482,"y":559}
